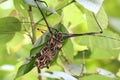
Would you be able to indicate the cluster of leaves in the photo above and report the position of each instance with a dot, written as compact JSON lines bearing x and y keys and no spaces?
{"x":77,"y":18}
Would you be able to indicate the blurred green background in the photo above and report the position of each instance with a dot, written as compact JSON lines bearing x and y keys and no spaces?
{"x":15,"y":47}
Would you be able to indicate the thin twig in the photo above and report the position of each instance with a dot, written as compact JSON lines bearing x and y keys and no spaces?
{"x":32,"y":26}
{"x":83,"y":63}
{"x":39,"y":77}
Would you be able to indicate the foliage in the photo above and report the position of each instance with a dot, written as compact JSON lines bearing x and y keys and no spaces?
{"x":79,"y":58}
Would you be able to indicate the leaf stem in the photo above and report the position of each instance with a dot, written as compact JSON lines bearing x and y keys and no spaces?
{"x":33,"y":39}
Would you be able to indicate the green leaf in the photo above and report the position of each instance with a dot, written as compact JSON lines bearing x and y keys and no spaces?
{"x":32,"y":3}
{"x":68,"y":50}
{"x":3,"y":49}
{"x":97,"y":77}
{"x":53,"y":19}
{"x":77,"y":20}
{"x":101,"y":18}
{"x":92,"y":5}
{"x":102,"y":47}
{"x":8,"y":27}
{"x":25,"y":68}
{"x":36,"y":49}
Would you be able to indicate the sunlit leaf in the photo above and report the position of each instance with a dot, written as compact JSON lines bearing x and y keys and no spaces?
{"x":74,"y":18}
{"x":92,"y":5}
{"x":58,"y":75}
{"x":101,"y":18}
{"x":75,"y":69}
{"x":32,"y":3}
{"x":105,"y":73}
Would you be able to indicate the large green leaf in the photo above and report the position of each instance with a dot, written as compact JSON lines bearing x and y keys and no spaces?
{"x":109,"y":47}
{"x":25,"y":68}
{"x":101,"y":18}
{"x":102,"y":47}
{"x":68,"y":50}
{"x":8,"y":27}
